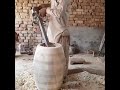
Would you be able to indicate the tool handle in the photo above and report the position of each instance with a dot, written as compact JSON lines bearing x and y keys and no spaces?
{"x":44,"y":35}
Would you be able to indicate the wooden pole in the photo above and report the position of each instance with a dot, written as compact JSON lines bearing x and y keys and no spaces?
{"x":44,"y":35}
{"x":102,"y":43}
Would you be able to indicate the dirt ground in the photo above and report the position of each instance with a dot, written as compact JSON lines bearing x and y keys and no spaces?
{"x":86,"y":76}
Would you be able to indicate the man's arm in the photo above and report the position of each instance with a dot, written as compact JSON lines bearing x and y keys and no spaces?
{"x":54,"y":12}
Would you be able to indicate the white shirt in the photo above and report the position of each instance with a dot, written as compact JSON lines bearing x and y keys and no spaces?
{"x":58,"y":19}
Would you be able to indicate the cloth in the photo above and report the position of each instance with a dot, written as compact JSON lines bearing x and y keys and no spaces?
{"x":57,"y":29}
{"x":64,"y":40}
{"x":58,"y":18}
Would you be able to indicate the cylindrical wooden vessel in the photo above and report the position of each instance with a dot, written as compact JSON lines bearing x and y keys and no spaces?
{"x":48,"y":64}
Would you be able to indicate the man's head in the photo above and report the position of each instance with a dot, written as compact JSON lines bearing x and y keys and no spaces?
{"x":36,"y":10}
{"x":40,"y":10}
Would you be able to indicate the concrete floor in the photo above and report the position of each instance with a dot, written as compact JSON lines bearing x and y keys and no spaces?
{"x":95,"y":68}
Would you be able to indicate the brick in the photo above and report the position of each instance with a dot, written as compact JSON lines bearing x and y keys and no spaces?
{"x":16,"y":28}
{"x":74,"y":24}
{"x":32,"y":37}
{"x":103,"y":23}
{"x":36,"y":43}
{"x":35,"y":40}
{"x":36,"y":1}
{"x":29,"y":4}
{"x":29,"y":26}
{"x":30,"y":29}
{"x":24,"y":31}
{"x":27,"y":7}
{"x":24,"y":4}
{"x":21,"y":35}
{"x":23,"y":25}
{"x":79,"y":12}
{"x":19,"y":7}
{"x":97,"y":14}
{"x":75,"y":19}
{"x":25,"y":22}
{"x":74,"y":12}
{"x":16,"y":0}
{"x":93,"y":1}
{"x":16,"y":11}
{"x":22,"y":38}
{"x":22,"y":16}
{"x":92,"y":7}
{"x":16,"y":25}
{"x":38,"y":38}
{"x":70,"y":13}
{"x":21,"y":1}
{"x":18,"y":32}
{"x":45,"y":2}
{"x":83,"y":13}
{"x":26,"y":1}
{"x":39,"y":41}
{"x":34,"y":5}
{"x":101,"y":13}
{"x":21,"y":29}
{"x":88,"y":7}
{"x":96,"y":4}
{"x":80,"y":21}
{"x":38,"y":35}
{"x":29,"y":34}
{"x":27,"y":37}
{"x":72,"y":16}
{"x":27,"y":17}
{"x":70,"y":19}
{"x":41,"y":2}
{"x":20,"y":22}
{"x":25,"y":34}
{"x":30,"y":23}
{"x":20,"y":11}
{"x":24,"y":10}
{"x":25,"y":40}
{"x":35,"y":29}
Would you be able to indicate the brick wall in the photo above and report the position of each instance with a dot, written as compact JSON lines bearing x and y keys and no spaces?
{"x":89,"y":13}
{"x":82,"y":13}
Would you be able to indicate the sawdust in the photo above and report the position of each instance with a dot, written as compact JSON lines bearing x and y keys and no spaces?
{"x":83,"y":80}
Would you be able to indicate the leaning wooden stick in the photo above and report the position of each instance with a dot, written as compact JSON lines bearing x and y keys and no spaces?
{"x":101,"y":44}
{"x":44,"y":35}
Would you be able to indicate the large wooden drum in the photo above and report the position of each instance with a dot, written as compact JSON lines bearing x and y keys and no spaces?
{"x":49,"y":65}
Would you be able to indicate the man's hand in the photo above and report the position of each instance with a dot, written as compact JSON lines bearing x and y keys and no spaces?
{"x":43,"y":12}
{"x":43,"y":8}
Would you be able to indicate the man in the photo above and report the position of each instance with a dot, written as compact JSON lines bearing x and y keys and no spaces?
{"x":57,"y":29}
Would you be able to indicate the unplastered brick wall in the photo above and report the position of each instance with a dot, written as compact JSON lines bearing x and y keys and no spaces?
{"x":23,"y":21}
{"x":89,"y":13}
{"x":82,"y":13}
